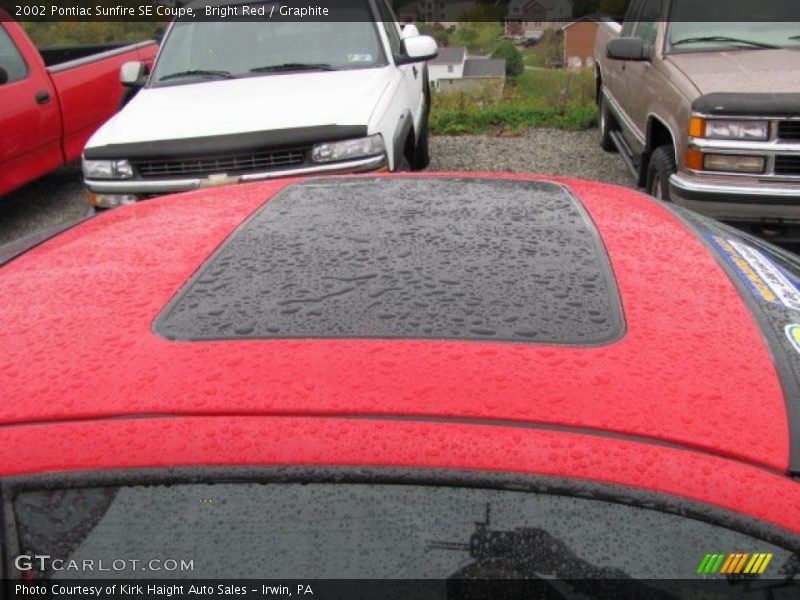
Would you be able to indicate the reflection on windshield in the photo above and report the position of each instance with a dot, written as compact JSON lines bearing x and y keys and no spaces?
{"x":522,"y":553}
{"x":250,"y":48}
{"x":693,"y":36}
{"x":52,"y":521}
{"x":713,"y":24}
{"x":533,"y":553}
{"x":368,"y":531}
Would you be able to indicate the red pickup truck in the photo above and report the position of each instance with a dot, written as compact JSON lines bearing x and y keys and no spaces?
{"x":53,"y":100}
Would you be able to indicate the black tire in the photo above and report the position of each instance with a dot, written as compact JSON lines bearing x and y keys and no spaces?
{"x":659,"y":170}
{"x":422,"y":152}
{"x":403,"y":165}
{"x":606,"y":125}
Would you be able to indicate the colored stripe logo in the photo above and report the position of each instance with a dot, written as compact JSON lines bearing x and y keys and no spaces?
{"x":793,"y":335}
{"x":736,"y":563}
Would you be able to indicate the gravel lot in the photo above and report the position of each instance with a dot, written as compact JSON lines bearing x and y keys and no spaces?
{"x":54,"y":199}
{"x":546,"y":151}
{"x":61,"y":198}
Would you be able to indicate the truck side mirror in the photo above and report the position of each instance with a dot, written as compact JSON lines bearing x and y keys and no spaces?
{"x":133,"y":74}
{"x":417,"y":49}
{"x":3,"y":76}
{"x":409,"y":31}
{"x":627,"y":48}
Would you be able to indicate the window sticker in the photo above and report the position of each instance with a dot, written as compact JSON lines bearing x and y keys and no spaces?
{"x":359,"y":58}
{"x":766,"y":278}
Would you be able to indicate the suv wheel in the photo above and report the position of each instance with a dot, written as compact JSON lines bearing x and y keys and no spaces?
{"x":606,"y":125}
{"x":659,"y":169}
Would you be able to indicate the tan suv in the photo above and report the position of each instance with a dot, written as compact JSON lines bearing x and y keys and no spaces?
{"x":706,"y":112}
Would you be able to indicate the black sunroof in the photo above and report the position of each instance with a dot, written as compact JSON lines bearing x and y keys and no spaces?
{"x":414,"y":257}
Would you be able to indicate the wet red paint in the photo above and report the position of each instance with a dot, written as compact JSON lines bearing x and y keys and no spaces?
{"x":692,"y":368}
{"x":215,"y":441}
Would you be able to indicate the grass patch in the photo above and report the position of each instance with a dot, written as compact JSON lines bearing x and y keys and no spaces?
{"x":562,"y":99}
{"x":549,"y":51}
{"x":479,"y":33}
{"x":509,"y":119}
{"x":479,"y":38}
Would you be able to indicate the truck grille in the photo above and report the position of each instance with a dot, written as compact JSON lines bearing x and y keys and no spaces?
{"x":787,"y":165}
{"x":789,"y":130}
{"x":229,"y":164}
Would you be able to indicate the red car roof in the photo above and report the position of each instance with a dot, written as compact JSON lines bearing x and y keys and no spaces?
{"x":691,"y":370}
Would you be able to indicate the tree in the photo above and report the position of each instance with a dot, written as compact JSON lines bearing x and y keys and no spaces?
{"x":616,"y":8}
{"x":607,"y":7}
{"x":515,"y":66}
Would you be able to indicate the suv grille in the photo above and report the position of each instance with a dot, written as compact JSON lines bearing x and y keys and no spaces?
{"x":229,"y":164}
{"x":787,"y":165}
{"x":789,"y":130}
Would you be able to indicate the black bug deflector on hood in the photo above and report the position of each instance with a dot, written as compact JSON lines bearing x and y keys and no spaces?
{"x":751,"y":104}
{"x":414,"y":258}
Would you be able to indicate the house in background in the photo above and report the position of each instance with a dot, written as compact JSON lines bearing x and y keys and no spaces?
{"x":448,"y":64}
{"x":531,"y":18}
{"x":452,"y":69}
{"x":483,"y":74}
{"x":579,"y":39}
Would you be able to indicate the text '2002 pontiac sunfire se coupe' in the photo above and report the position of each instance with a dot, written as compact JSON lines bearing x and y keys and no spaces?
{"x":431,"y":377}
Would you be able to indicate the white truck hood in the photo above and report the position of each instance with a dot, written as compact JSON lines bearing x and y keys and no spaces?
{"x":223,"y":107}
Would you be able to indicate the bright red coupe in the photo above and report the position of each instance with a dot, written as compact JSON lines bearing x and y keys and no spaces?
{"x":427,"y":377}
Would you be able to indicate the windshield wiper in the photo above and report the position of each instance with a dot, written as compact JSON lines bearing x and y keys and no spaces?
{"x":294,"y":67}
{"x":207,"y":74}
{"x":722,"y":38}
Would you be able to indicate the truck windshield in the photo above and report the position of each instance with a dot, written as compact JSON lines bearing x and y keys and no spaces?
{"x":744,"y":24}
{"x":230,"y":49}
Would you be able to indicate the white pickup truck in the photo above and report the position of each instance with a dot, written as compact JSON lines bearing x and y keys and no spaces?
{"x":232,"y":101}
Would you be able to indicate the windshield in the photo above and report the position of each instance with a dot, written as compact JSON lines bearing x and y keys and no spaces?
{"x":369,"y":531}
{"x":231,"y":49}
{"x":722,"y":24}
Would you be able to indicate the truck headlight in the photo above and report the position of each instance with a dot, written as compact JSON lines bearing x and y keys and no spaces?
{"x":358,"y":148}
{"x":724,"y":129}
{"x":107,"y":169}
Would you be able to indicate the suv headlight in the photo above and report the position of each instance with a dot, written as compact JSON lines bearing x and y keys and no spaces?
{"x":347,"y":149}
{"x":725,"y":129}
{"x":107,"y":169}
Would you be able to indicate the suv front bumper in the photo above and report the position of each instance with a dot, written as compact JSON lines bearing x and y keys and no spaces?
{"x":154,"y":187}
{"x":737,"y":201}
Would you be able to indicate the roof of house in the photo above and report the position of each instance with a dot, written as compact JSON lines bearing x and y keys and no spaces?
{"x":485,"y":67}
{"x":595,"y":16}
{"x":449,"y":55}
